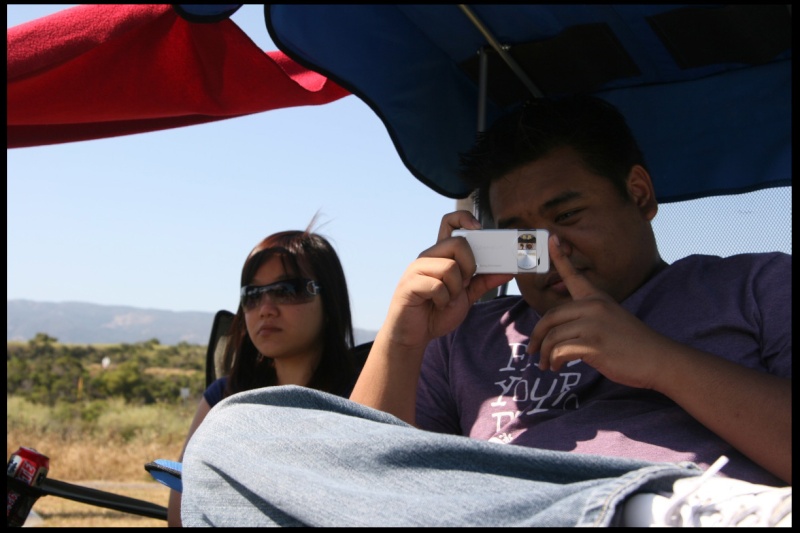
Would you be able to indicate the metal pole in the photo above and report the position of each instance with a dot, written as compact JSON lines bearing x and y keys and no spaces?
{"x":501,"y":50}
{"x":468,"y":203}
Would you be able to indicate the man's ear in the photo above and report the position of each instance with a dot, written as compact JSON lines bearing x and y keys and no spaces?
{"x":641,"y":191}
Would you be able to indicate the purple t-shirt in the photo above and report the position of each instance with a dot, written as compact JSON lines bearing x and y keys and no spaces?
{"x":478,"y":381}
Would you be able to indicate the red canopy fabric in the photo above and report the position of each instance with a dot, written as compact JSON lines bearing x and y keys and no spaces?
{"x":97,"y":71}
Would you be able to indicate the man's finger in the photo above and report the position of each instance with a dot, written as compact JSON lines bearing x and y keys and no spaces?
{"x":456,"y":249}
{"x":578,"y":286}
{"x":483,"y":283}
{"x":456,"y":220}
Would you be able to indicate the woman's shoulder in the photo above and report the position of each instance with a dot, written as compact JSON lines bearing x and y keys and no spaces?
{"x":216,"y":391}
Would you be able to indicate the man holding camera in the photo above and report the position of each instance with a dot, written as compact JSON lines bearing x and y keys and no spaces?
{"x":619,"y":377}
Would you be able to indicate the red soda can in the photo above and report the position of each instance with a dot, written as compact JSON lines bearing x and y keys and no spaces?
{"x":30,"y":467}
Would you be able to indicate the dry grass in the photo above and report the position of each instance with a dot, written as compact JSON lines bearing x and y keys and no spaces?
{"x":92,"y":459}
{"x":108,"y":459}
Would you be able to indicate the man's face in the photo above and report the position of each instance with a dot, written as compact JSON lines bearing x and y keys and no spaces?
{"x":607,"y":237}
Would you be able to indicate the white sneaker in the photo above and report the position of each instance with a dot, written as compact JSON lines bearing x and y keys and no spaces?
{"x":708,"y":501}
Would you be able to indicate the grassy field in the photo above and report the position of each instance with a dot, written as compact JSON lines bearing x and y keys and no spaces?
{"x":108,"y":453}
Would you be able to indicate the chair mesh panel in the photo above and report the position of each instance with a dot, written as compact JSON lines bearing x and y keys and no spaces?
{"x":759,"y":221}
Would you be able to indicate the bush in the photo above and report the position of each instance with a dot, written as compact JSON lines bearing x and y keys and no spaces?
{"x":47,"y":372}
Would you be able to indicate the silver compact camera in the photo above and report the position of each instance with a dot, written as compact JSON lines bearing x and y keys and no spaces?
{"x":508,"y":251}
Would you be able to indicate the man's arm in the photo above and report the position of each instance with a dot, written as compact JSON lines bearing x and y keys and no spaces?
{"x":749,"y":409}
{"x":431,"y":300}
{"x":388,"y":381}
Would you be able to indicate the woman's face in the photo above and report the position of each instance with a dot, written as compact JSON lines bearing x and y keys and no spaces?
{"x":284,"y":330}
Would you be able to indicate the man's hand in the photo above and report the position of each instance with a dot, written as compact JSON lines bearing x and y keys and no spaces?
{"x":748,"y":408}
{"x":432,"y":298}
{"x":437,"y":290}
{"x":456,"y":220}
{"x":596,"y":329}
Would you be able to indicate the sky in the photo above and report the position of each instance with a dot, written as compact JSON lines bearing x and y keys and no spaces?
{"x":164,"y":220}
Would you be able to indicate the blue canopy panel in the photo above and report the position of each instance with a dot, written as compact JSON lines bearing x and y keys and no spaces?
{"x":705,"y":88}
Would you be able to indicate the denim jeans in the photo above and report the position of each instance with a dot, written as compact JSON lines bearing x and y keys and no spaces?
{"x":291,"y":456}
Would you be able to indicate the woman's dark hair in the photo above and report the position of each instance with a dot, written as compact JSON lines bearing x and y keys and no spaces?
{"x":593,"y":127}
{"x":303,"y":254}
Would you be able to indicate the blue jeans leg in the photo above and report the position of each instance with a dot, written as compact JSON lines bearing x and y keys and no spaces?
{"x":290,"y":456}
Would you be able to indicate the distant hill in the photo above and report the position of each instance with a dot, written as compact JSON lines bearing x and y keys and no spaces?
{"x":85,"y":323}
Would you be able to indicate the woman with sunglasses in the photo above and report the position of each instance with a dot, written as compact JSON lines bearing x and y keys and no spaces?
{"x":292,"y":326}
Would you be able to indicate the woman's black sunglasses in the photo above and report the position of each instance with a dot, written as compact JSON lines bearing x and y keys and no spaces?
{"x":284,"y":292}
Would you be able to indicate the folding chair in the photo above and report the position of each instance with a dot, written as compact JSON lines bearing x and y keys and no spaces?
{"x":220,"y":330}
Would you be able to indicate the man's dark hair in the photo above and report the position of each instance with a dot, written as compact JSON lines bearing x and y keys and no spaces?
{"x":591,"y":126}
